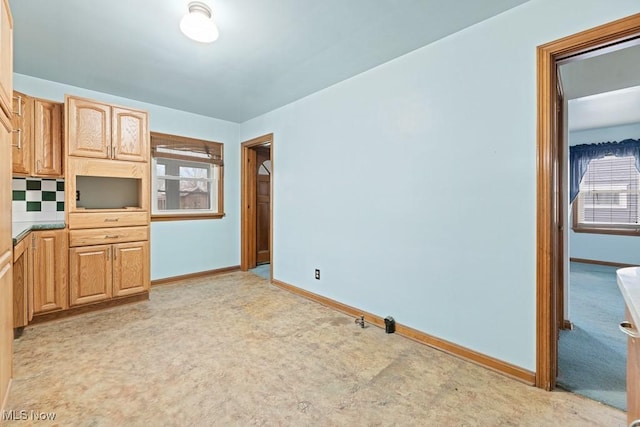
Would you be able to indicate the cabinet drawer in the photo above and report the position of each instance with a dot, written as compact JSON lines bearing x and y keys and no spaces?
{"x":107,"y":219}
{"x":102,"y":236}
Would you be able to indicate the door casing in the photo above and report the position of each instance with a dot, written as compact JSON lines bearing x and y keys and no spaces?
{"x":549,"y":186}
{"x":248,"y":205}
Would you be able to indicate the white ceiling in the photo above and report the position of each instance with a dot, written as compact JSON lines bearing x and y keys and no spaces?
{"x":603,"y":90}
{"x":269,"y":53}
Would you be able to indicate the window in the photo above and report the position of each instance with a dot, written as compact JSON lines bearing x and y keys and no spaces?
{"x":608,"y":197}
{"x":187,"y":178}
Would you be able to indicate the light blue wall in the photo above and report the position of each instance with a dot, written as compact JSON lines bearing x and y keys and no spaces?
{"x":412,"y":185}
{"x":603,"y":247}
{"x":177,"y":247}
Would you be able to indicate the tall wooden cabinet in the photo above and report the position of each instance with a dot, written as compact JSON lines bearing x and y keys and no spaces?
{"x":6,"y":242}
{"x":108,"y":152}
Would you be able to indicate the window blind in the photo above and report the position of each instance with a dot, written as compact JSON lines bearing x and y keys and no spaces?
{"x":609,"y":191}
{"x":183,"y":148}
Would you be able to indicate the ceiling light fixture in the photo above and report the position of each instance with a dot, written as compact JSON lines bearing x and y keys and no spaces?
{"x":198,"y":24}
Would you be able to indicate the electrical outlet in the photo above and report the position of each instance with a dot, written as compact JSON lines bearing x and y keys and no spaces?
{"x":317,"y":274}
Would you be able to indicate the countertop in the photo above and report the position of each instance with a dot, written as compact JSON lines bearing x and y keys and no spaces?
{"x":629,"y":284}
{"x":19,"y":230}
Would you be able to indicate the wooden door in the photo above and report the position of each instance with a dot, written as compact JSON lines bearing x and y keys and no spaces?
{"x":22,"y":134}
{"x":263,"y":204}
{"x":89,"y":274}
{"x":88,"y":128}
{"x":130,"y":268}
{"x":49,"y":270}
{"x":6,"y":58}
{"x":130,"y":135}
{"x":47,"y":138}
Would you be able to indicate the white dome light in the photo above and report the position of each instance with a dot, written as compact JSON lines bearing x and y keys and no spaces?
{"x":198,"y":24}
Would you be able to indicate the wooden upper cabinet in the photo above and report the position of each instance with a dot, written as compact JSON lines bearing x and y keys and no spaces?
{"x":103,"y":131}
{"x":37,"y":137}
{"x":130,"y":135}
{"x":47,"y":138}
{"x":6,"y":62}
{"x":89,"y":128}
{"x":21,"y":146}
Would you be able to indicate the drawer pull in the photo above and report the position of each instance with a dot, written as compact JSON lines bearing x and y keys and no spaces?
{"x":111,"y":236}
{"x":628,"y":329}
{"x":111,"y":219}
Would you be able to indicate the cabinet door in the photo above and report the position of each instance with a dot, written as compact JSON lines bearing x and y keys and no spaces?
{"x":22,"y":136}
{"x":47,"y":138}
{"x":130,"y":268}
{"x":89,"y":274}
{"x":6,"y":327}
{"x":6,"y":58}
{"x":21,"y":286}
{"x":130,"y":135}
{"x":6,"y":242}
{"x":49,"y":270}
{"x":88,"y":128}
{"x":633,"y":373}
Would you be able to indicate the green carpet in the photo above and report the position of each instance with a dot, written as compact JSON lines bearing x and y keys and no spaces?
{"x":592,"y":357}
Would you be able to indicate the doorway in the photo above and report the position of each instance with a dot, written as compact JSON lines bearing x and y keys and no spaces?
{"x":257,"y":206}
{"x":550,"y":220}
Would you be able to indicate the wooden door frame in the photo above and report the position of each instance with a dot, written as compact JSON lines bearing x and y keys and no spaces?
{"x":247,"y":210}
{"x":547,"y":161}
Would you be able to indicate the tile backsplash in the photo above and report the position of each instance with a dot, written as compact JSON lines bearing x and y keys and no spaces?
{"x":38,"y":199}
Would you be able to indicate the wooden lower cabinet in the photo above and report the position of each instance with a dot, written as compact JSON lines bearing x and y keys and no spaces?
{"x":49,"y":249}
{"x":130,"y":268}
{"x":100,"y":272}
{"x":633,"y":377}
{"x":22,"y":284}
{"x":6,"y":327}
{"x":89,"y":274}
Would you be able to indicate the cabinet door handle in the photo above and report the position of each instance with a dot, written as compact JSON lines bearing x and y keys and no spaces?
{"x":108,"y":152}
{"x":109,"y":254}
{"x":627,"y":328}
{"x":111,"y":219}
{"x":111,"y":236}
{"x":19,"y":112}
{"x":19,"y":144}
{"x":115,"y":150}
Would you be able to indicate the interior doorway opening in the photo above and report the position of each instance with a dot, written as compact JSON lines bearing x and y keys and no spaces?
{"x":551,"y":206}
{"x":257,"y":205}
